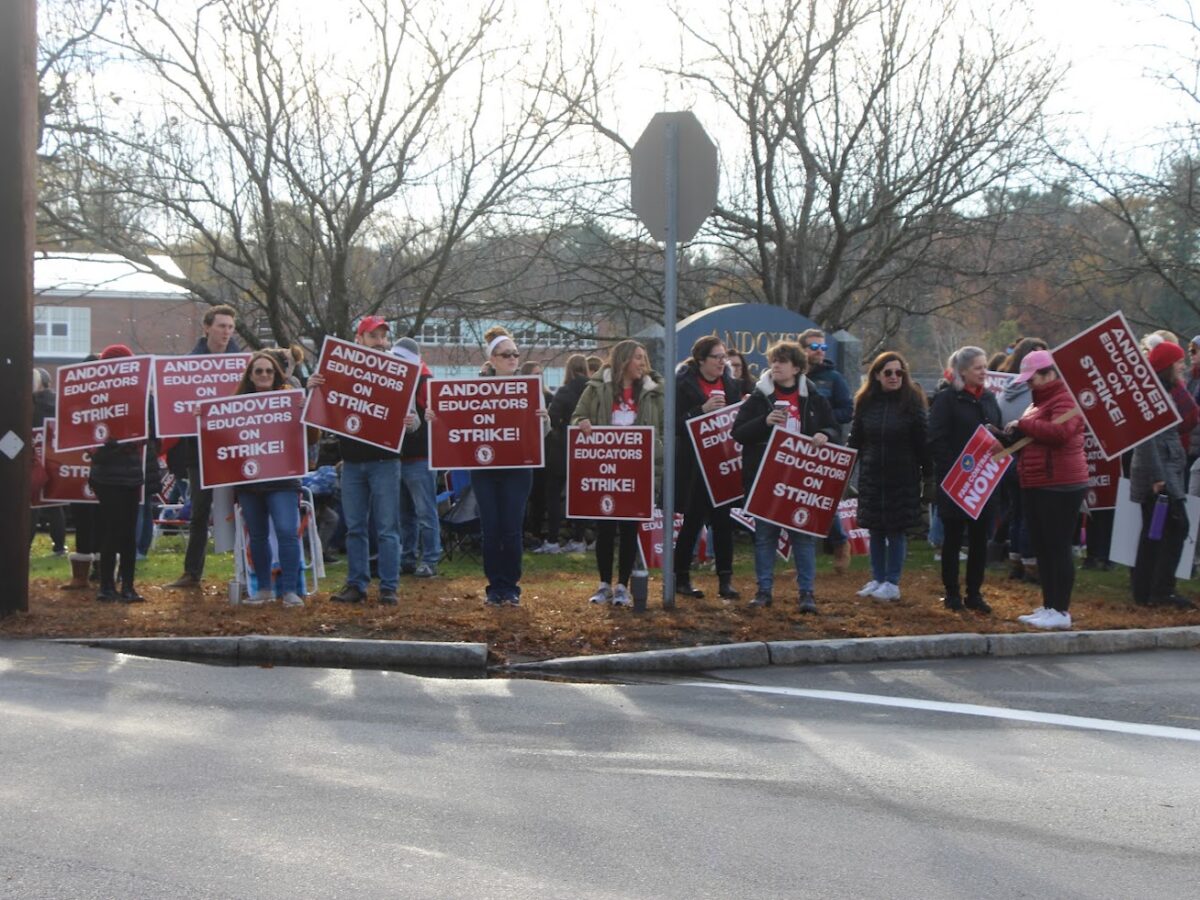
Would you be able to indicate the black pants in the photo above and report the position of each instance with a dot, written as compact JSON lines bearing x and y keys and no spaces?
{"x":556,"y":483}
{"x":1052,"y":517}
{"x":55,"y":520}
{"x":87,"y":538}
{"x":1099,"y":534}
{"x":197,"y":545}
{"x":1153,"y":576}
{"x":699,"y":508}
{"x":117,"y":521}
{"x":535,"y":509}
{"x":606,"y":534}
{"x":976,"y":532}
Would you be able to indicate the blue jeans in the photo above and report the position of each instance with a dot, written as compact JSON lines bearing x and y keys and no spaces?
{"x":888,"y":549}
{"x":280,"y":509}
{"x":804,"y":555}
{"x":419,"y":529}
{"x":502,"y":495}
{"x":369,"y":491}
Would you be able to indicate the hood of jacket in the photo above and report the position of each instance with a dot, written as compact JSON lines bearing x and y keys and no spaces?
{"x":650,"y":382}
{"x":1014,"y":391}
{"x":766,"y":384}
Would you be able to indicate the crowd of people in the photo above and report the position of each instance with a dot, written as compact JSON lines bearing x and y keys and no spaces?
{"x":906,"y":444}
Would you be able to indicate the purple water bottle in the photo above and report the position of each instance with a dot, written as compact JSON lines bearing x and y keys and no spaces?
{"x":1158,"y":518}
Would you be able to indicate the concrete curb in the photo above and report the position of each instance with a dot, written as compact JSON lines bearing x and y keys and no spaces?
{"x":303,"y":651}
{"x":684,"y":659}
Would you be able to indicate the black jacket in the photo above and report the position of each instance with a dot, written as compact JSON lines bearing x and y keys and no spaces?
{"x":953,"y":417}
{"x":416,"y":443}
{"x":121,"y":465}
{"x":689,"y":403}
{"x":44,"y":403}
{"x":893,"y":460}
{"x":566,"y":398}
{"x":750,"y":428}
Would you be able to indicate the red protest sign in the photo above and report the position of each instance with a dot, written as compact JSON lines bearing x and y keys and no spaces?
{"x":976,"y":473}
{"x":799,"y":483}
{"x":103,"y":400}
{"x":859,"y":538}
{"x":782,"y":547}
{"x":179,"y":381}
{"x":67,"y":472}
{"x":1121,"y":397}
{"x":718,"y":454}
{"x":37,"y":443}
{"x":650,"y":537}
{"x":610,"y":473}
{"x":996,"y":382}
{"x":1103,"y":476}
{"x":366,"y":394}
{"x":252,"y":437}
{"x":485,"y":423}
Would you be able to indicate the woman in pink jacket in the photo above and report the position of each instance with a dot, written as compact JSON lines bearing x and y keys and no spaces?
{"x":1053,"y":472}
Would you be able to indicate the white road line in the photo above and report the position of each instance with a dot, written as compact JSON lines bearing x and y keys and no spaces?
{"x":964,"y":709}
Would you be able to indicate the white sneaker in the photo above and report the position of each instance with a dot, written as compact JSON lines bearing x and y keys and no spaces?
{"x":1053,"y":620}
{"x":869,"y":588}
{"x":548,"y":547}
{"x":1036,"y":614}
{"x":603,"y":594}
{"x":292,"y":599}
{"x":258,"y":598}
{"x":575,"y":547}
{"x":886,"y":592}
{"x":620,"y":596}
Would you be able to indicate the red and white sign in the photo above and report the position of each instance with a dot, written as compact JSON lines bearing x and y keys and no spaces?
{"x":782,"y":547}
{"x":486,"y":423}
{"x":37,"y":443}
{"x":610,"y":473}
{"x":1122,"y":400}
{"x":67,"y":472}
{"x":718,"y":454}
{"x":1103,"y":476}
{"x":799,"y":483}
{"x":650,"y":537}
{"x":859,"y":538}
{"x":179,"y":381}
{"x":102,"y":401}
{"x":996,"y":382}
{"x":252,"y":437}
{"x":976,"y":473}
{"x":366,"y":395}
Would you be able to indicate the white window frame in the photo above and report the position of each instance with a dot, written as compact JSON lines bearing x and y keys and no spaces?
{"x":76,"y":343}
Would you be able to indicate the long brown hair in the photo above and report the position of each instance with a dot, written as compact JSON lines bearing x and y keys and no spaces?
{"x":912,"y":398}
{"x":619,"y":358}
{"x":246,"y":385}
{"x":1024,"y":347}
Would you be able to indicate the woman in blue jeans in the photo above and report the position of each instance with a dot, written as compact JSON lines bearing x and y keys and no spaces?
{"x":782,"y":398}
{"x":271,"y":504}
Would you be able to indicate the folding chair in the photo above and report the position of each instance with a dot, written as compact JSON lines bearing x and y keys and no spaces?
{"x":460,"y":523}
{"x":246,"y":580}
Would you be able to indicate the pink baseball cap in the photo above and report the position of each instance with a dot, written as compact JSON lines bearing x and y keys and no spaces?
{"x":1034,"y":362}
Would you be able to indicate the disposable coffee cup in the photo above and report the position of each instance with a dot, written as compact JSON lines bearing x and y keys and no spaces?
{"x":720,"y":395}
{"x":782,"y":406}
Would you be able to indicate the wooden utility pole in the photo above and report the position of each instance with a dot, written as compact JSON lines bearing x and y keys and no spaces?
{"x":18,"y":113}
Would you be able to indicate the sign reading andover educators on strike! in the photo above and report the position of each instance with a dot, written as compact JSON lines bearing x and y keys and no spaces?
{"x":1121,"y":397}
{"x":67,"y":473}
{"x":976,"y":473}
{"x":485,"y":423}
{"x":366,"y":395}
{"x":1103,"y":476}
{"x":799,"y":483}
{"x":610,"y":472}
{"x":179,"y":381}
{"x":252,"y":437}
{"x":101,"y":401}
{"x":718,"y":454}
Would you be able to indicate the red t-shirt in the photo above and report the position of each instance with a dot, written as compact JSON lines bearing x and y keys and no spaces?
{"x":792,"y":396}
{"x":708,"y":388}
{"x":624,"y":411}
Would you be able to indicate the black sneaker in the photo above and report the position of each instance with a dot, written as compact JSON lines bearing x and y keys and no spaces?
{"x":1177,"y":602}
{"x":129,"y":595}
{"x":726,"y":590}
{"x":952,"y":602}
{"x":107,"y":595}
{"x":350,"y":593}
{"x":408,"y":568}
{"x":387,"y":598}
{"x":683,"y":587}
{"x":807,"y":603}
{"x":977,"y":603}
{"x":493,"y":600}
{"x":762,"y":598}
{"x":512,"y":601}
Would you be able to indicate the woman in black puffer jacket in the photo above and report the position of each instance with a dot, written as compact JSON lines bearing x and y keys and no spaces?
{"x":889,"y":430}
{"x":566,"y":398}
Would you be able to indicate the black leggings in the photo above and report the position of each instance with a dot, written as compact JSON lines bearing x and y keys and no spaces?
{"x":1154,"y":571}
{"x":84,"y":515}
{"x":700,"y":508}
{"x":117,"y":521}
{"x":977,"y":538}
{"x":606,"y":533}
{"x":1052,"y":517}
{"x":556,"y":482}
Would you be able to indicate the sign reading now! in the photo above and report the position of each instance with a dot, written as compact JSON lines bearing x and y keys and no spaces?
{"x":976,"y":473}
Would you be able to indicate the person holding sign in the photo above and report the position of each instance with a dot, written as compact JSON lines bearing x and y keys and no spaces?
{"x":782,"y":398}
{"x":1053,"y":472}
{"x":625,"y":392}
{"x":703,"y":385}
{"x":889,"y":431}
{"x":271,"y":504}
{"x":956,"y":412}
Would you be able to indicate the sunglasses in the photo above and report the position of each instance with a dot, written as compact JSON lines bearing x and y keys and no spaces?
{"x":892,"y":373}
{"x":510,"y":354}
{"x":816,"y":346}
{"x":262,"y":371}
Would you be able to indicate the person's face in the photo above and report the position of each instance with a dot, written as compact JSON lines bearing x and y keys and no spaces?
{"x":1179,"y":367}
{"x":506,"y":359}
{"x":713,"y":365}
{"x":891,"y":376}
{"x":735,"y":366}
{"x":262,"y":374}
{"x":637,"y":366}
{"x":976,"y":373}
{"x":1194,"y":354}
{"x":219,"y":332}
{"x":784,"y":372}
{"x":1041,"y":378}
{"x":815,"y":348}
{"x":377,"y":339}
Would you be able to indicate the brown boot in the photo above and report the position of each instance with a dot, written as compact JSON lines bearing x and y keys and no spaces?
{"x":841,"y":557}
{"x":81,"y":564}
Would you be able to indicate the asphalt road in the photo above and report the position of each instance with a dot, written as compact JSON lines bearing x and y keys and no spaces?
{"x":123,"y":777}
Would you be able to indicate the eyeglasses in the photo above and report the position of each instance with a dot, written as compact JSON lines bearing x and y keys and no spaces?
{"x":510,"y":354}
{"x":721,"y":356}
{"x":262,"y":371}
{"x":815,"y":346}
{"x":892,"y":373}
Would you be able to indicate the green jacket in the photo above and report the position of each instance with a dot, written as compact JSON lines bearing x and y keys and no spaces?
{"x":597,"y":402}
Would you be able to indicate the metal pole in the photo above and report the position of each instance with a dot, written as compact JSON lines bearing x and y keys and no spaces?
{"x":18,"y":112}
{"x":669,"y":315}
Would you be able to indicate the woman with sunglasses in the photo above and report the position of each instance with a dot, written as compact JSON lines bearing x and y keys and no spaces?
{"x":889,"y":430}
{"x":269,"y":505}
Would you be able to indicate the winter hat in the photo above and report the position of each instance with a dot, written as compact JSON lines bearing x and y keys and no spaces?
{"x":1034,"y":362}
{"x":1165,"y":355}
{"x":112,"y":351}
{"x":408,"y":350}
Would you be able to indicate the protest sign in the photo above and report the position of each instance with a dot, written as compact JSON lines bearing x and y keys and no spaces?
{"x":859,"y":538}
{"x":485,"y":423}
{"x":996,"y":382}
{"x":179,"y":381}
{"x":718,"y":455}
{"x":783,"y":546}
{"x":1103,"y":476}
{"x":366,"y":395}
{"x":976,"y":473}
{"x":37,"y":444}
{"x":650,"y":540}
{"x":252,"y":437}
{"x":67,"y":472}
{"x":799,"y":482}
{"x":101,"y":401}
{"x":1121,"y":397}
{"x":610,"y":473}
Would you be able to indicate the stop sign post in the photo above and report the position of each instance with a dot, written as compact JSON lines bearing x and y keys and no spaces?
{"x":674,"y":189}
